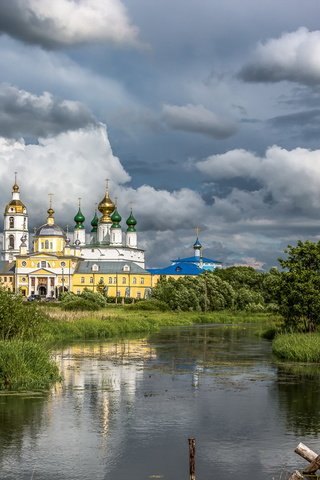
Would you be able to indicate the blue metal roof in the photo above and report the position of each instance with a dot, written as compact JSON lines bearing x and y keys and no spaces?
{"x":179,"y":268}
{"x":196,"y":260}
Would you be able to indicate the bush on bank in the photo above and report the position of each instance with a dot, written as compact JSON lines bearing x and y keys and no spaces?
{"x":297,"y":347}
{"x":26,"y":365}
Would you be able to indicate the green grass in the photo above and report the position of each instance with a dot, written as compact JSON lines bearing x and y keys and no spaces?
{"x":297,"y":347}
{"x":26,"y":365}
{"x":120,"y":321}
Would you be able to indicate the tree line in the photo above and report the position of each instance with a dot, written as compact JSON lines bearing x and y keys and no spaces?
{"x":293,"y":291}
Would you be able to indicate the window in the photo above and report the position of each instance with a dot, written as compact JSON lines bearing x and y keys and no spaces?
{"x":101,"y":280}
{"x":118,"y":293}
{"x":33,"y":281}
{"x":63,"y":264}
{"x":11,"y":241}
{"x":24,"y":224}
{"x":110,"y":279}
{"x":114,"y":279}
{"x":134,"y":280}
{"x":78,"y":292}
{"x":82,"y":280}
{"x":24,"y":279}
{"x":46,"y":244}
{"x":11,"y":222}
{"x":91,"y":279}
{"x":142,"y":281}
{"x":126,"y":268}
{"x":138,"y":294}
{"x":24,"y":264}
{"x":51,"y":245}
{"x":5,"y":279}
{"x":124,"y":280}
{"x":42,"y":244}
{"x":95,"y":267}
{"x":43,"y":264}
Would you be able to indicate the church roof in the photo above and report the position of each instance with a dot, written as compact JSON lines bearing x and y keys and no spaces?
{"x":109,"y":267}
{"x":47,"y":230}
{"x":179,"y":268}
{"x":196,"y":260}
{"x":7,"y":267}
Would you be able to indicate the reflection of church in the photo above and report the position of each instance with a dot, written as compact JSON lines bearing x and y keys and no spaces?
{"x":106,"y":259}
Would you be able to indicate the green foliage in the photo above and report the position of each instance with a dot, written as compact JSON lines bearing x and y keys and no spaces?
{"x":299,"y":347}
{"x":18,"y":319}
{"x":241,"y":277}
{"x":26,"y":365}
{"x":153,"y":304}
{"x":81,"y":304}
{"x":206,"y":292}
{"x":298,"y":293}
{"x":250,"y":300}
{"x":87,"y":300}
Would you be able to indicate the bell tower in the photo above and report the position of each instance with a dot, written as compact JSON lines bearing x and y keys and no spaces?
{"x":15,"y":225}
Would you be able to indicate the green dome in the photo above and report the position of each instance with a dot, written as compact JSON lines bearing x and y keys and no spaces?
{"x":79,"y":219}
{"x":94,"y":223}
{"x":131,"y":222}
{"x":116,"y":219}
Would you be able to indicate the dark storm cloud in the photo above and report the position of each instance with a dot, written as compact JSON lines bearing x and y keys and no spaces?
{"x":292,"y":57}
{"x":23,"y":114}
{"x":63,"y":23}
{"x":300,"y":119}
{"x":197,"y":119}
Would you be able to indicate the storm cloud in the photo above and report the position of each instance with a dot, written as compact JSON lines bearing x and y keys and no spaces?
{"x":197,"y":119}
{"x":23,"y":114}
{"x":63,"y":23}
{"x":293,"y":57}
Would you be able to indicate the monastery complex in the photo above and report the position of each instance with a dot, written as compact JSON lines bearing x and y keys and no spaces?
{"x":106,"y":259}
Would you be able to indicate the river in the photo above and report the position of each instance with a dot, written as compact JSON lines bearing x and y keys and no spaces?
{"x":126,"y":408}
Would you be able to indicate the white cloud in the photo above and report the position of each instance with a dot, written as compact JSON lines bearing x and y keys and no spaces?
{"x":61,"y":23}
{"x":71,"y":164}
{"x":25,"y":114}
{"x":288,"y":180}
{"x":198,"y":119}
{"x":293,"y":57}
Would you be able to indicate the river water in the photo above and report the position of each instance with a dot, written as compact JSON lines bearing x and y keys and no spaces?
{"x":126,"y":408}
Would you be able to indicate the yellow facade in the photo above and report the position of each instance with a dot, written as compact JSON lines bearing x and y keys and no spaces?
{"x":113,"y":284}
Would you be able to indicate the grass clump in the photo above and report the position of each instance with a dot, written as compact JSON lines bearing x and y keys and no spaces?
{"x":153,"y":304}
{"x":26,"y":365}
{"x":298,"y":347}
{"x":86,"y":301}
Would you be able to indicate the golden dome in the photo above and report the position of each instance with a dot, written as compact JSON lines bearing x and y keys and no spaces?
{"x":15,"y":206}
{"x":106,"y":207}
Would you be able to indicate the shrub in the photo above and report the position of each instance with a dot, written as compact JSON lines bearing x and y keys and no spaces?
{"x":152,"y":304}
{"x":26,"y":365}
{"x":80,"y":304}
{"x":17,"y":319}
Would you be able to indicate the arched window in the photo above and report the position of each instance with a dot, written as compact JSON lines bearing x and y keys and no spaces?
{"x":46,"y":244}
{"x":134,"y":280}
{"x":11,"y":241}
{"x":11,"y":222}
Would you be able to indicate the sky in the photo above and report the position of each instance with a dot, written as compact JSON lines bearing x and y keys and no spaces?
{"x":201,"y":113}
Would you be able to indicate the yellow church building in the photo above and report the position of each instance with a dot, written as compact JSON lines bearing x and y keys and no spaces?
{"x":106,"y":259}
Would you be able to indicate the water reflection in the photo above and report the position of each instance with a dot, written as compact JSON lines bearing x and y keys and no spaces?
{"x":299,"y":397}
{"x":126,"y":408}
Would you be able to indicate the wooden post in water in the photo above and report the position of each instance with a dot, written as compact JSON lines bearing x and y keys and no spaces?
{"x":192,"y":455}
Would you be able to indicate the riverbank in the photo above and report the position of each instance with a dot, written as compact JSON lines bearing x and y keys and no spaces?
{"x":297,"y":347}
{"x":123,"y":320}
{"x":25,"y":361}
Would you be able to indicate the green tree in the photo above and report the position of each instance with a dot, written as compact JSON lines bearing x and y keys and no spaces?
{"x":298,"y":293}
{"x":19,"y":319}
